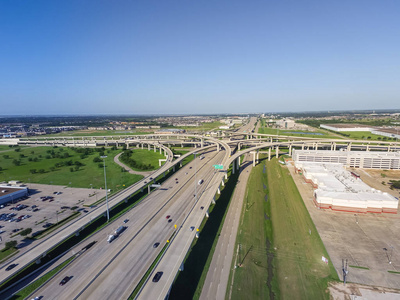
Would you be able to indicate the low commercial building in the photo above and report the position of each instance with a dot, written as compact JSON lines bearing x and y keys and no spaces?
{"x":10,"y":194}
{"x":341,"y":127}
{"x":341,"y":190}
{"x":285,"y":123}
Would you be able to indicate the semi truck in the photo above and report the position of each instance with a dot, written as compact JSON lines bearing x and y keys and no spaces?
{"x":116,"y":233}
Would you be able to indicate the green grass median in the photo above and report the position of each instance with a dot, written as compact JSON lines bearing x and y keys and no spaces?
{"x":279,"y":251}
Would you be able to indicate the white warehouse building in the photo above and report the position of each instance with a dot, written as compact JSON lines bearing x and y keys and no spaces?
{"x":338,"y":189}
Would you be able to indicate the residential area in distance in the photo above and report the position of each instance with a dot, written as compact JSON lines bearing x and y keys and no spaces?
{"x":66,"y":199}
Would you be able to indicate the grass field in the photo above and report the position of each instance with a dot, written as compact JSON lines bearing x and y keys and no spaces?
{"x":99,"y":133}
{"x":202,"y":127}
{"x":279,"y":257}
{"x":146,"y":158}
{"x":365,"y":135}
{"x":90,"y":173}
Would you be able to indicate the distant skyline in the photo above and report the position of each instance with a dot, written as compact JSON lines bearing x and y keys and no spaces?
{"x":198,"y":57}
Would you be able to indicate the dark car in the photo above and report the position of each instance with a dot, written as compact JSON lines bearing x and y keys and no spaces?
{"x":156,"y":245}
{"x":157,"y":277}
{"x":126,"y":221}
{"x":65,"y":280}
{"x":176,"y":178}
{"x":12,"y":266}
{"x":202,"y":207}
{"x":170,"y":220}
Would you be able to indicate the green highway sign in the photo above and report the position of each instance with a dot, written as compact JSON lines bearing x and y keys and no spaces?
{"x":218,"y":167}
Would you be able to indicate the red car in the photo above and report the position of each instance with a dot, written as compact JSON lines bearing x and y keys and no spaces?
{"x":167,"y":217}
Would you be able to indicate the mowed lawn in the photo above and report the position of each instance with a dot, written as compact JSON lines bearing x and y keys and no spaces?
{"x":146,"y":157}
{"x":91,"y":174}
{"x":280,"y":258}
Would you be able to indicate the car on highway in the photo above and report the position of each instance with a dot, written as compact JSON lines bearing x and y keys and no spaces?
{"x":170,"y":220}
{"x":126,"y":221}
{"x":191,"y":228}
{"x":151,"y":178}
{"x":2,"y":231}
{"x":156,"y":245}
{"x":12,"y":266}
{"x":65,"y":280}
{"x":157,"y":277}
{"x":167,"y":217}
{"x":202,"y":207}
{"x":47,"y":225}
{"x":176,"y":179}
{"x":190,"y":167}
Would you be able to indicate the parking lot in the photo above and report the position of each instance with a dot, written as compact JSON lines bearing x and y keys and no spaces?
{"x":368,"y":241}
{"x":46,"y":205}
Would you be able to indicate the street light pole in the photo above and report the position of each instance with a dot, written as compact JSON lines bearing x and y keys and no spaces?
{"x":195,"y":177}
{"x":105,"y":183}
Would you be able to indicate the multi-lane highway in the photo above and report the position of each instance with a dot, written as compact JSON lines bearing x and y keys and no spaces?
{"x":123,"y":262}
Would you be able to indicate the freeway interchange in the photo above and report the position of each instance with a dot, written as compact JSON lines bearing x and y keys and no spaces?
{"x":113,"y":270}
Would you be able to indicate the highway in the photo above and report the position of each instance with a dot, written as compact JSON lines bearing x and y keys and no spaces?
{"x":123,"y":262}
{"x":47,"y":243}
{"x":218,"y":274}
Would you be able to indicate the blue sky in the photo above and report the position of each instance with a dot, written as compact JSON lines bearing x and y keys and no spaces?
{"x":197,"y":56}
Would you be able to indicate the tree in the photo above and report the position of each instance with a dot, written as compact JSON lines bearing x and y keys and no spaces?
{"x":35,"y":159}
{"x":76,"y":168}
{"x":17,"y":149}
{"x":71,"y":169}
{"x":96,"y":159}
{"x":11,"y":244}
{"x":52,"y":169}
{"x":16,"y":162}
{"x":33,"y":171}
{"x":5,"y":156}
{"x":100,"y":165}
{"x":26,"y":231}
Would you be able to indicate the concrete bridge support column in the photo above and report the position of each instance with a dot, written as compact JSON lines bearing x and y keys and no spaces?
{"x":239,"y":147}
{"x":207,"y":214}
{"x":302,"y":147}
{"x":290,"y":150}
{"x":316,"y":146}
{"x":269,"y":153}
{"x":258,"y":157}
{"x":213,"y":200}
{"x":155,"y":148}
{"x":226,"y":176}
{"x":368,"y":147}
{"x":148,"y":147}
{"x":223,"y":182}
{"x":238,"y":163}
{"x":277,"y":151}
{"x":181,"y":145}
{"x":254,"y":159}
{"x":349,"y":147}
{"x":218,"y":147}
{"x":233,"y":166}
{"x":160,"y":150}
{"x":218,"y":191}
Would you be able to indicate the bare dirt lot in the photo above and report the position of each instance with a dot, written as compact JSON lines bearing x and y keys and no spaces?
{"x":376,"y":178}
{"x":369,"y":242}
{"x":46,"y":211}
